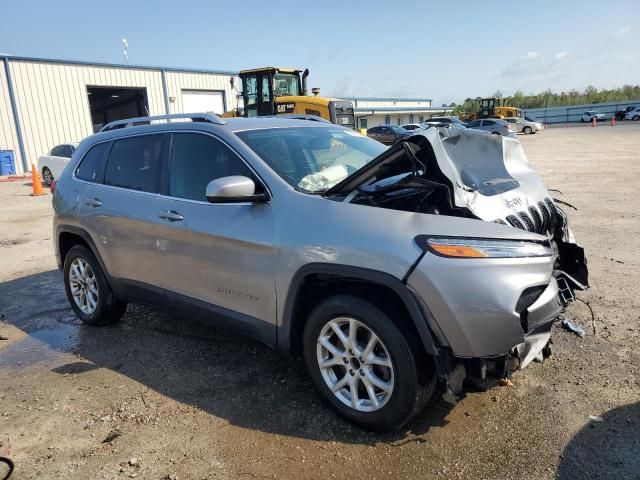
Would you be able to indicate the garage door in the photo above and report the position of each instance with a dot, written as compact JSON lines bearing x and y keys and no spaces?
{"x":194,"y":101}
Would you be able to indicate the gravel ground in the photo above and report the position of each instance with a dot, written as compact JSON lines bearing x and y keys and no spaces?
{"x":160,"y":396}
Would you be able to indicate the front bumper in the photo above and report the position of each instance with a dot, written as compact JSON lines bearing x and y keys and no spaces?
{"x":471,"y":303}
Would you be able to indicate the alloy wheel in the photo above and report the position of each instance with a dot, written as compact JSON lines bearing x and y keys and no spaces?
{"x":83,"y":285}
{"x":355,"y":364}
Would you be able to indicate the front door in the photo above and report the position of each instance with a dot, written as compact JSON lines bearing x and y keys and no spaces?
{"x":221,"y":254}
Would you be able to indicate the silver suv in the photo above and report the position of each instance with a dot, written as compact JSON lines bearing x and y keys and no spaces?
{"x":394,"y":272}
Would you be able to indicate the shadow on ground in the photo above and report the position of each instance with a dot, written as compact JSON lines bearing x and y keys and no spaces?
{"x":609,"y":449}
{"x":220,"y":372}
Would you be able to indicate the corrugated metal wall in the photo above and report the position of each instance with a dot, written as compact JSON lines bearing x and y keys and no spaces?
{"x":8,"y":134}
{"x":53,"y":105}
{"x":178,"y":81}
{"x":573,"y":113}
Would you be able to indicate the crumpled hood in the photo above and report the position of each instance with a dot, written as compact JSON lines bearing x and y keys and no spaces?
{"x":490,"y":174}
{"x":454,"y":148}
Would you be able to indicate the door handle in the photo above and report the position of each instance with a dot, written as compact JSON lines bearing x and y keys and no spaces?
{"x":93,"y":202}
{"x":170,"y":215}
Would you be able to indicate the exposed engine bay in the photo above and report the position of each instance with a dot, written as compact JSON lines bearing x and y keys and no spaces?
{"x":472,"y":174}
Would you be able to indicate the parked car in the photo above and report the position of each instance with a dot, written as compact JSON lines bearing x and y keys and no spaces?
{"x":447,"y":119}
{"x":412,"y":126}
{"x":591,"y":114}
{"x":388,"y":134}
{"x":523,"y":126}
{"x":495,"y":126}
{"x":633,"y":114}
{"x":394,"y":272}
{"x":51,"y":165}
{"x":621,"y":114}
{"x":534,"y":120}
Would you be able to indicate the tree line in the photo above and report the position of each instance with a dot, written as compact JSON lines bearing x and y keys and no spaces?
{"x":548,"y":98}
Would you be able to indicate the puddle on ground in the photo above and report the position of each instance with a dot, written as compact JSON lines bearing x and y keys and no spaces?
{"x":40,"y":346}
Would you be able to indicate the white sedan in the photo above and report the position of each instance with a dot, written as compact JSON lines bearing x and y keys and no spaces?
{"x":633,"y":114}
{"x":591,"y":114}
{"x":50,"y":166}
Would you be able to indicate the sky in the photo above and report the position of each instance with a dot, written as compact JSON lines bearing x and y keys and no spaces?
{"x":446,"y":51}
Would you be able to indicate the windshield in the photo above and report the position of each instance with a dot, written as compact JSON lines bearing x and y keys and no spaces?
{"x":312,"y":159}
{"x":285,"y":84}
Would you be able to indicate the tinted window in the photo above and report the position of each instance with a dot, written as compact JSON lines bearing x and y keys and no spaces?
{"x":475,"y":123}
{"x":374,"y":130}
{"x":67,"y":151}
{"x":90,"y":167}
{"x":135,"y":163}
{"x":57,"y":151}
{"x":197,"y":159}
{"x":489,"y":122}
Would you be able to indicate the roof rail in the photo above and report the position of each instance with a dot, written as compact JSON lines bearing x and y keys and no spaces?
{"x":194,"y":117}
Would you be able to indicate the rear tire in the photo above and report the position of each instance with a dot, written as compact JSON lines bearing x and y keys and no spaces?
{"x":88,"y":291}
{"x":47,"y":176}
{"x":386,"y":380}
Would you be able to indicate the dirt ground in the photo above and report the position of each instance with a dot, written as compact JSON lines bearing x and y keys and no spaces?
{"x":160,"y":396}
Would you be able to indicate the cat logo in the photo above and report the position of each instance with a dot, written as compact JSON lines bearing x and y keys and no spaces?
{"x":285,"y":107}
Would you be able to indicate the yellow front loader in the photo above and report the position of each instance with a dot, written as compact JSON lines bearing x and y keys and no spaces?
{"x":278,"y":91}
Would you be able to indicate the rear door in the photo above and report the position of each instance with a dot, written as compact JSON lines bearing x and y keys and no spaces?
{"x":219,"y":254}
{"x":120,"y":210}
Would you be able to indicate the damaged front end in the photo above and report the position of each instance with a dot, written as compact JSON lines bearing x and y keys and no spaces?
{"x":470,"y":174}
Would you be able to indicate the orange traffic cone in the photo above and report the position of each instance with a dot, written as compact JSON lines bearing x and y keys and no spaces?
{"x":35,"y":179}
{"x":613,"y":121}
{"x":593,"y":122}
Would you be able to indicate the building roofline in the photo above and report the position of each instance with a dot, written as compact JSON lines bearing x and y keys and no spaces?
{"x":388,"y":99}
{"x":401,"y":109}
{"x":20,"y":58}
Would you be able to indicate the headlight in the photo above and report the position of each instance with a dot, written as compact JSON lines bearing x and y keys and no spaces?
{"x":482,"y":248}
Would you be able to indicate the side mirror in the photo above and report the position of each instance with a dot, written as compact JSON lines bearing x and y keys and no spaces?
{"x":233,"y":189}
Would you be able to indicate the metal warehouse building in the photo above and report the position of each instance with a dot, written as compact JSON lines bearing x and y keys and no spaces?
{"x":374,"y":111}
{"x":46,"y":102}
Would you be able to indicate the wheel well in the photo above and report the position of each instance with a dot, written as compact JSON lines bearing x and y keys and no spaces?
{"x":67,"y":240}
{"x":317,"y":287}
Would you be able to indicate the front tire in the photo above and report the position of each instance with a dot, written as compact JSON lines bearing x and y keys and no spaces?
{"x":527,"y":130}
{"x":636,"y":118}
{"x":88,"y":291}
{"x":47,"y":176}
{"x":363,"y":365}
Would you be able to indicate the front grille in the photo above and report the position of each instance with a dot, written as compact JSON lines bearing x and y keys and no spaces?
{"x":513,"y":220}
{"x":539,"y":220}
{"x":546,"y":216}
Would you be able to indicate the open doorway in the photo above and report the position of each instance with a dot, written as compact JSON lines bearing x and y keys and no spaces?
{"x":116,"y":103}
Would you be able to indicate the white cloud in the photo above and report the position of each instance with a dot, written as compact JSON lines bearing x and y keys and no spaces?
{"x":560,"y":55}
{"x":533,"y":55}
{"x":622,"y":32}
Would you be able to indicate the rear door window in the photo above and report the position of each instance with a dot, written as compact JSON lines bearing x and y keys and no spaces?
{"x":91,"y":166}
{"x":136,"y":163}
